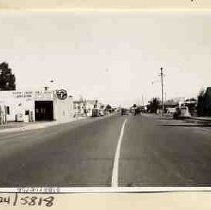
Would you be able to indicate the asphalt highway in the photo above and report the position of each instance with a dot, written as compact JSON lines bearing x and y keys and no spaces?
{"x":127,"y":151}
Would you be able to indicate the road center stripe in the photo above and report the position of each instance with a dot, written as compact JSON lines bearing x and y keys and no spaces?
{"x":115,"y":171}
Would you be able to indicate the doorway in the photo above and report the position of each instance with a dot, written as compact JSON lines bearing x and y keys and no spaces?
{"x":43,"y":110}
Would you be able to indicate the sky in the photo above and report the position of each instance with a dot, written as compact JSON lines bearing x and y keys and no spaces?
{"x":111,"y":56}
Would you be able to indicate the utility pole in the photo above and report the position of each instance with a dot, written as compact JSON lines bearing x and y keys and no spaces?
{"x":162,"y":87}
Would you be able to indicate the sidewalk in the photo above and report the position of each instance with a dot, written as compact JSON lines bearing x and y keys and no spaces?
{"x":22,"y":126}
{"x":165,"y":116}
{"x":207,"y":119}
{"x":157,"y":116}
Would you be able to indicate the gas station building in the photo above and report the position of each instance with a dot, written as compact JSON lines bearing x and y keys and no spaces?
{"x":30,"y":106}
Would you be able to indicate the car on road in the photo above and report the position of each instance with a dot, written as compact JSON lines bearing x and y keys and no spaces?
{"x":137,"y":111}
{"x":124,"y":111}
{"x":101,"y":113}
{"x":95,"y":112}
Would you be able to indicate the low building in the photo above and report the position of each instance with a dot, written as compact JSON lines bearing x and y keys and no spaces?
{"x":93,"y":104}
{"x":85,"y":107}
{"x":79,"y":108}
{"x":29,"y":106}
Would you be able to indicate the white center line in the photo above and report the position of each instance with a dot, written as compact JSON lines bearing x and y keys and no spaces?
{"x":115,"y":171}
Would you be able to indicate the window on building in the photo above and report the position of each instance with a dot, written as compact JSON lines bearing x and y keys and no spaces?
{"x":26,"y":112}
{"x":8,"y":110}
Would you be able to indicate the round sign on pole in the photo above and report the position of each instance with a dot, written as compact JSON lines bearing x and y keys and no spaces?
{"x":61,"y":94}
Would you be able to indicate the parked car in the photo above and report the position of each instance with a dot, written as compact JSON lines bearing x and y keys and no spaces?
{"x":181,"y":113}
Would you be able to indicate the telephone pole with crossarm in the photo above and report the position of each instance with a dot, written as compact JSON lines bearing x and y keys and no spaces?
{"x":162,"y":88}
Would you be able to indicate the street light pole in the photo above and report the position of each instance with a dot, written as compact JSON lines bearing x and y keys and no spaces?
{"x":142,"y":100}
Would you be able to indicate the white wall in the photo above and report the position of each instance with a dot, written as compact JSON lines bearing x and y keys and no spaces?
{"x":89,"y":107}
{"x":17,"y":106}
{"x":2,"y":113}
{"x":63,"y":109}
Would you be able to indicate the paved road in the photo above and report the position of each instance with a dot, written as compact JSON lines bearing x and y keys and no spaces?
{"x":152,"y":152}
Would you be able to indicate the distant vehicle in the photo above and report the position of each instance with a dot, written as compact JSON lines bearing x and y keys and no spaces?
{"x":95,"y":112}
{"x":182,"y":113}
{"x":171,"y":111}
{"x":124,"y":111}
{"x":101,"y":112}
{"x":132,"y":110}
{"x":137,"y":111}
{"x":106,"y":112}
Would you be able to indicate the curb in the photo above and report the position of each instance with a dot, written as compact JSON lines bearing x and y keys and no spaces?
{"x":34,"y":127}
{"x":41,"y":125}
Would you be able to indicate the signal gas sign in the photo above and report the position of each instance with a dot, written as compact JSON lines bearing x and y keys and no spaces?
{"x":61,"y":94}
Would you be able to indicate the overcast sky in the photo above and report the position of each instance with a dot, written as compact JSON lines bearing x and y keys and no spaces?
{"x":111,"y":56}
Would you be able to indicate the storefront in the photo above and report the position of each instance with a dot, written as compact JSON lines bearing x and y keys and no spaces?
{"x":29,"y":106}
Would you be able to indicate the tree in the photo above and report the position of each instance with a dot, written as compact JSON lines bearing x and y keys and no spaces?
{"x":201,"y":103}
{"x":7,"y":79}
{"x":154,"y":105}
{"x":204,"y":102}
{"x":108,"y":107}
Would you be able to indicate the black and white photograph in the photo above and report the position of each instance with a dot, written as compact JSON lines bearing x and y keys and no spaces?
{"x":105,"y":99}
